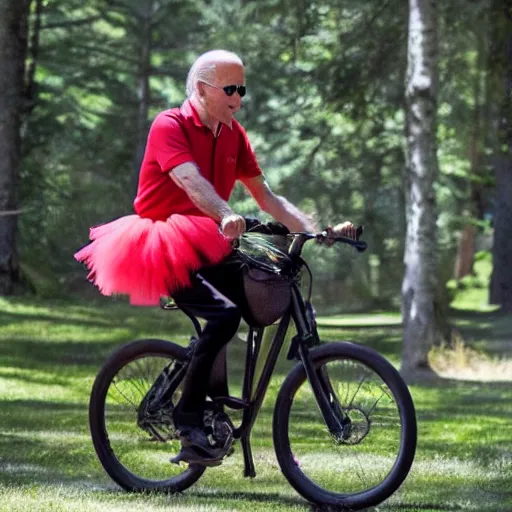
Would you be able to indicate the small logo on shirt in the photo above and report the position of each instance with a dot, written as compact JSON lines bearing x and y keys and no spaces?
{"x":231,"y":160}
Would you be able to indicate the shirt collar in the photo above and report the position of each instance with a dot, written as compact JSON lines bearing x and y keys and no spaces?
{"x":189,"y":112}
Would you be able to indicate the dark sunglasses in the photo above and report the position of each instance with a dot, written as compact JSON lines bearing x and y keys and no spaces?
{"x":230,"y":89}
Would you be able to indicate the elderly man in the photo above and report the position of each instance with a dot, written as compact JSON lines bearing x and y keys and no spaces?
{"x":194,"y":155}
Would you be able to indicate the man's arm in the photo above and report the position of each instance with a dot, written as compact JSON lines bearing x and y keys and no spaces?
{"x":203,"y":195}
{"x":200,"y":191}
{"x":280,"y":208}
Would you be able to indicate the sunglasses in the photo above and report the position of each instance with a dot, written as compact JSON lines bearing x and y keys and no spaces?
{"x":229,"y":89}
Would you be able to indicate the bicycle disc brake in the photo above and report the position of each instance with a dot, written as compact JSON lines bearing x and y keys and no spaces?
{"x":356,"y":426}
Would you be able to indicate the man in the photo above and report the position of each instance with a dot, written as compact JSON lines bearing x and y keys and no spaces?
{"x":172,"y":245}
{"x":204,"y":150}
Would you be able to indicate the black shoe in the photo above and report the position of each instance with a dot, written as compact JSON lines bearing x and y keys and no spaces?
{"x":197,"y":448}
{"x":190,"y":456}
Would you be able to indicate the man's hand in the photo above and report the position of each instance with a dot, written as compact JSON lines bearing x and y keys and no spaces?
{"x":345,"y":229}
{"x":232,"y":226}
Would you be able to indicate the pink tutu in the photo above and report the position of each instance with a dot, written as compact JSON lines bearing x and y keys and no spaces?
{"x":148,"y":259}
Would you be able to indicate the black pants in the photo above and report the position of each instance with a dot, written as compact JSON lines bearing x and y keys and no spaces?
{"x":217,"y":295}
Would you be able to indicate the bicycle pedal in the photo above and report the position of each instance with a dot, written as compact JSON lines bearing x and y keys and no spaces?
{"x":190,"y":456}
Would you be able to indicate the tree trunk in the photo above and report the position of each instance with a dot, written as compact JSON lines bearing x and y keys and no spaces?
{"x":501,"y":281}
{"x":143,"y":87}
{"x":13,"y":45}
{"x":465,"y":252}
{"x":475,"y":208}
{"x":420,"y":258}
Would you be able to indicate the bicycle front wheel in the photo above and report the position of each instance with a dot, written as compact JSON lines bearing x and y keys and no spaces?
{"x":371,"y":458}
{"x":130,"y":417}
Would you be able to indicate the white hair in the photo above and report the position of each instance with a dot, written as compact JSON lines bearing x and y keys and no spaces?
{"x":205,"y":65}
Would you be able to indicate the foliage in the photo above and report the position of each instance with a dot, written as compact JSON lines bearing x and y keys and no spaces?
{"x":324,"y":112}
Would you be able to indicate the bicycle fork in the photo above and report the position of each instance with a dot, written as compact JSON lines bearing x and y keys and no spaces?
{"x":337,"y":423}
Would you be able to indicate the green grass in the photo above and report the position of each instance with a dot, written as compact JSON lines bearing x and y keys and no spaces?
{"x":50,"y":353}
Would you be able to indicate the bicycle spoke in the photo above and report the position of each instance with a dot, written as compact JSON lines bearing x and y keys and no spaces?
{"x":124,"y":396}
{"x":374,"y":405}
{"x":357,"y":390}
{"x":146,"y":451}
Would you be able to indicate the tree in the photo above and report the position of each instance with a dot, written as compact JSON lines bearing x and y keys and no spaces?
{"x":420,"y":258}
{"x":13,"y":45}
{"x":501,"y":282}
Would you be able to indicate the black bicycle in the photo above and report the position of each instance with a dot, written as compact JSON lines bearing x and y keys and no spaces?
{"x":344,"y":426}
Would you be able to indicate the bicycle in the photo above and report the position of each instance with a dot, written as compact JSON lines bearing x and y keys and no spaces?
{"x":348,"y":400}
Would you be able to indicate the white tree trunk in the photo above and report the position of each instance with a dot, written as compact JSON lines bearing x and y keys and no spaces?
{"x":420,"y":258}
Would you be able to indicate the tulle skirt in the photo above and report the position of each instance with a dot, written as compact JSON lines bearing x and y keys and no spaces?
{"x":148,"y":259}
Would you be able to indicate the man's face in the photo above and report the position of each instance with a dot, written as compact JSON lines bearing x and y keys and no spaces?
{"x":218,"y":104}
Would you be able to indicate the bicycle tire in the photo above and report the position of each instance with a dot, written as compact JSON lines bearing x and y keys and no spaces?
{"x":289,"y":464}
{"x":108,"y":459}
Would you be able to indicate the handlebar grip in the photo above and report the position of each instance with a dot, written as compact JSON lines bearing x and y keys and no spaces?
{"x":360,"y":245}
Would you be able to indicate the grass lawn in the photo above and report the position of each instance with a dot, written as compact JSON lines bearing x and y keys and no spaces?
{"x":51,"y":351}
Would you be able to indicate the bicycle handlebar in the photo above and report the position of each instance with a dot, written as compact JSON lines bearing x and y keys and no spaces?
{"x":360,"y":245}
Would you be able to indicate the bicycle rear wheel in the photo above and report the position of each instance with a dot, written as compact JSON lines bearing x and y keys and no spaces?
{"x":366,"y":464}
{"x":134,"y":441}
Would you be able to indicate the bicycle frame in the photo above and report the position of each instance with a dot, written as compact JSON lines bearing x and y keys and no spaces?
{"x":301,"y":311}
{"x":306,"y":337}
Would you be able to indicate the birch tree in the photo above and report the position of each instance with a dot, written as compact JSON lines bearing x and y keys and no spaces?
{"x":420,"y":257}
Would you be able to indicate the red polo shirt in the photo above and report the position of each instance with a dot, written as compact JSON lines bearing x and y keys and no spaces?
{"x":178,"y":136}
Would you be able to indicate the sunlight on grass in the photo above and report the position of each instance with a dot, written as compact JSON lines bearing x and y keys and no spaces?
{"x":362,"y":320}
{"x":459,"y":361}
{"x":472,"y":292}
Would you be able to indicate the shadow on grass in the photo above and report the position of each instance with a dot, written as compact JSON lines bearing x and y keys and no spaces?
{"x":9,"y":318}
{"x":431,"y":507}
{"x":476,"y":315}
{"x":43,"y":416}
{"x":43,"y":355}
